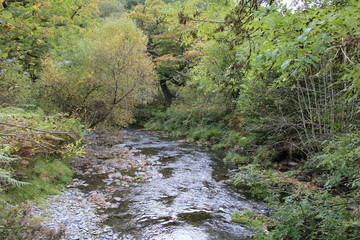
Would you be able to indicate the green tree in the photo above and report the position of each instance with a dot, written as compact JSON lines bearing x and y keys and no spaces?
{"x":165,"y":45}
{"x":108,"y":76}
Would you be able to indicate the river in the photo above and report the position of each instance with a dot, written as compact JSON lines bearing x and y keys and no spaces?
{"x":186,"y":198}
{"x":149,"y":186}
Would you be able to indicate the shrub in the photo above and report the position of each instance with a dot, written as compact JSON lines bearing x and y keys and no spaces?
{"x":316,"y":215}
{"x":208,"y":133}
{"x":338,"y":163}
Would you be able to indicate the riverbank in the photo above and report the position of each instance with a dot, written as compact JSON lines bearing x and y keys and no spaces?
{"x":144,"y":186}
{"x":77,"y":212}
{"x":307,"y":186}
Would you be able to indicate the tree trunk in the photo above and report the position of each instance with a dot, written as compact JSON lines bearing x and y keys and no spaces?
{"x":167,"y":94}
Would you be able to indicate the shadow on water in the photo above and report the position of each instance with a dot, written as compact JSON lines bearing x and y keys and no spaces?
{"x":188,"y":198}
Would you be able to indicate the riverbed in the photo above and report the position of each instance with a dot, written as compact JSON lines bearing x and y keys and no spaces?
{"x":139,"y":185}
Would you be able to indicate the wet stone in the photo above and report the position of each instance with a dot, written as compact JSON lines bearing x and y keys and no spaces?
{"x":141,"y":182}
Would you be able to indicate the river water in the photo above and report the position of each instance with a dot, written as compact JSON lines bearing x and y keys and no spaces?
{"x":183,"y":194}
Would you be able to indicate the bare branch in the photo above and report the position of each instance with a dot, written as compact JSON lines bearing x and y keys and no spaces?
{"x":37,"y":143}
{"x":36,"y":129}
{"x":346,"y":55}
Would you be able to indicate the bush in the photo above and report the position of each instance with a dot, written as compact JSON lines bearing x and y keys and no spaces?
{"x":265,"y":156}
{"x":256,"y":181}
{"x":338,"y":163}
{"x":255,"y":221}
{"x":315,"y":216}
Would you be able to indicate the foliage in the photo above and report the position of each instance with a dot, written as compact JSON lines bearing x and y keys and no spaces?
{"x":337,"y":166}
{"x":5,"y":176}
{"x":301,"y":210}
{"x":28,"y":29}
{"x":23,"y":129}
{"x":237,"y":158}
{"x":29,"y":134}
{"x":110,"y":8}
{"x":14,"y":83}
{"x":291,"y":63}
{"x":108,"y":76}
{"x":16,"y":223}
{"x":209,"y":133}
{"x":45,"y":176}
{"x":256,"y":181}
{"x":255,"y":221}
{"x":316,"y":216}
{"x":202,"y":120}
{"x":155,"y":18}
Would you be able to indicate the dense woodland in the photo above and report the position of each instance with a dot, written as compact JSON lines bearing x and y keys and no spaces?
{"x":276,"y":86}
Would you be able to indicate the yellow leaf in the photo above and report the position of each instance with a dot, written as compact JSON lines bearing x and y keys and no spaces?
{"x":35,"y":5}
{"x":8,"y":27}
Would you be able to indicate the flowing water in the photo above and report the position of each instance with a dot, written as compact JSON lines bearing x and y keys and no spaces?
{"x":186,"y":196}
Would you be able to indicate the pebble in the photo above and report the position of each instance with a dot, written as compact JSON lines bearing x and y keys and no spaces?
{"x":68,"y":211}
{"x":79,"y":214}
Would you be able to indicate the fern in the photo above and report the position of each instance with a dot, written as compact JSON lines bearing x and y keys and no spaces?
{"x":5,"y":159}
{"x":5,"y":176}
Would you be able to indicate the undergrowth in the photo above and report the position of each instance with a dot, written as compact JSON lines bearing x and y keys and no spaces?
{"x":46,"y":176}
{"x":34,"y":162}
{"x":325,"y":207}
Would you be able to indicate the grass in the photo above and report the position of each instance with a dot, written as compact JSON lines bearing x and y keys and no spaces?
{"x":46,"y":177}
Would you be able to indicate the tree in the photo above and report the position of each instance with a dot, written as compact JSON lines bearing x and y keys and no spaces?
{"x":164,"y":44}
{"x":28,"y":29}
{"x":105,"y":78}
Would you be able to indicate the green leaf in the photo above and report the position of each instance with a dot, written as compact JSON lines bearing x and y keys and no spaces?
{"x":301,"y":38}
{"x":314,"y":58}
{"x":7,"y":15}
{"x":307,"y":30}
{"x":4,"y":55}
{"x":285,"y":64}
{"x":326,"y":37}
{"x":274,"y":53}
{"x":308,"y":61}
{"x":258,"y":58}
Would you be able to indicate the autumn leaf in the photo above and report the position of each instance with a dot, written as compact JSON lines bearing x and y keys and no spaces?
{"x":166,"y":57}
{"x":36,"y":5}
{"x":8,"y":27}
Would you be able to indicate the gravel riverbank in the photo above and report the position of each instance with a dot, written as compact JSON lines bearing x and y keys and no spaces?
{"x":78,"y":211}
{"x":74,"y":216}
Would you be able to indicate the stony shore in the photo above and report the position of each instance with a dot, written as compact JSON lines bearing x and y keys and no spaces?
{"x":74,"y":215}
{"x":78,"y":211}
